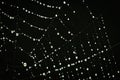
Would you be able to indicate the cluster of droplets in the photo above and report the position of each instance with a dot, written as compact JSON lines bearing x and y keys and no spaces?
{"x":33,"y":26}
{"x":46,"y":5}
{"x":27,"y":11}
{"x":55,"y":50}
{"x":10,"y":17}
{"x":68,"y":5}
{"x":25,"y":35}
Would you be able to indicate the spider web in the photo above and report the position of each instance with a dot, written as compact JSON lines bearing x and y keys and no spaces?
{"x":54,"y":40}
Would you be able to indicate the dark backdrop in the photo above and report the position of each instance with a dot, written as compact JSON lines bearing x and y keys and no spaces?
{"x":110,"y":11}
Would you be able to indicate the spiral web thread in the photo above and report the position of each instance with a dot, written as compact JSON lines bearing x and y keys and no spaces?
{"x":54,"y":45}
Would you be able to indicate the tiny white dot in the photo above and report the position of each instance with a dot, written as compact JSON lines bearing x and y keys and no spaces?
{"x":105,"y":46}
{"x":97,"y":49}
{"x":24,"y":64}
{"x":104,"y":59}
{"x":108,"y":74}
{"x":97,"y":37}
{"x":34,"y":39}
{"x":90,"y":77}
{"x":76,"y":57}
{"x":64,"y":2}
{"x":56,"y":15}
{"x":85,"y":60}
{"x":40,"y":3}
{"x":65,"y":14}
{"x":59,"y":63}
{"x":54,"y":66}
{"x":95,"y":74}
{"x":68,"y":65}
{"x":68,"y":19}
{"x":81,"y":72}
{"x":17,"y":34}
{"x":73,"y":11}
{"x":2,"y":2}
{"x":76,"y":69}
{"x":68,"y":4}
{"x":69,"y":32}
{"x":35,"y":65}
{"x":30,"y":67}
{"x":118,"y":71}
{"x":93,"y":16}
{"x":18,"y":73}
{"x":43,"y":74}
{"x":81,"y":61}
{"x":59,"y":8}
{"x":103,"y":76}
{"x":23,"y":21}
{"x":31,"y":25}
{"x":103,"y":27}
{"x":58,"y":33}
{"x":17,"y":7}
{"x":62,"y":76}
{"x":39,"y":40}
{"x":88,"y":42}
{"x":26,"y":10}
{"x":72,"y":64}
{"x":29,"y":12}
{"x":49,"y":71}
{"x":83,"y":0}
{"x":23,"y":8}
{"x":102,"y":51}
{"x":113,"y":76}
{"x":11,"y":17}
{"x":91,"y":49}
{"x":74,"y":52}
{"x":87,"y":69}
{"x":69,"y":58}
{"x":43,"y":4}
{"x":99,"y":28}
{"x":88,"y":58}
{"x":51,"y":46}
{"x":12,"y":31}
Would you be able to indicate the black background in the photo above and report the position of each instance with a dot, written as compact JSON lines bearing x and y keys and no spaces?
{"x":110,"y":11}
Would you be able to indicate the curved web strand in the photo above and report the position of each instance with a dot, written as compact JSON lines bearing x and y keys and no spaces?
{"x":54,"y":40}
